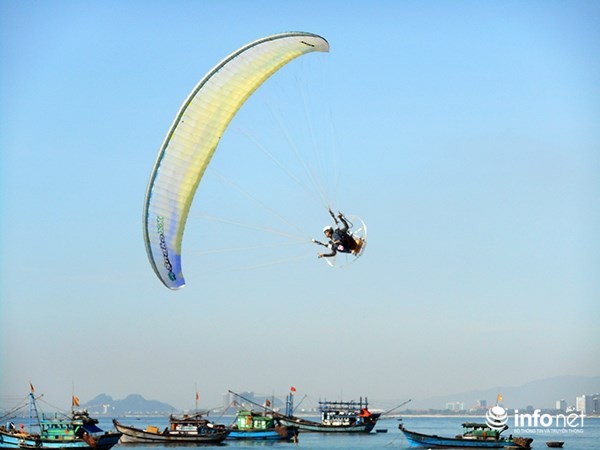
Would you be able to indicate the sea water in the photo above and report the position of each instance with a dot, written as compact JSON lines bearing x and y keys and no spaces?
{"x":586,"y":437}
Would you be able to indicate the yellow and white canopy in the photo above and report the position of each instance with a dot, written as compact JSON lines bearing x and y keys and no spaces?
{"x":194,"y":136}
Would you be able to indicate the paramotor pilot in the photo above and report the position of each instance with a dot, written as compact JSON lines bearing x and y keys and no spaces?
{"x":340,"y":238}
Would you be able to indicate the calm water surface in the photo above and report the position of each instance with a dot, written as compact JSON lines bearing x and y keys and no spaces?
{"x":587,"y":439}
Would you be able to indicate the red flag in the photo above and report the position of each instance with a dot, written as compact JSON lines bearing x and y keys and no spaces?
{"x":197,"y":396}
{"x":293,"y":389}
{"x":75,"y":400}
{"x":32,"y":388}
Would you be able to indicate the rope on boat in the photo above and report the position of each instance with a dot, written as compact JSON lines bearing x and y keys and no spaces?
{"x":396,"y":407}
{"x":64,"y":413}
{"x":393,"y":441}
{"x":15,"y":410}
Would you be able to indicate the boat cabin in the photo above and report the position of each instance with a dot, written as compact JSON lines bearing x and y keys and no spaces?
{"x":55,"y":428}
{"x":65,"y":428}
{"x":249,"y":420}
{"x":188,"y":425}
{"x":481,"y":431}
{"x":343,"y":414}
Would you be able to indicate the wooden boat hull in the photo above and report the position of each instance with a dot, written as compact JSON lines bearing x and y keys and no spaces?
{"x":131,"y":435}
{"x":433,"y":441}
{"x":316,"y":427}
{"x":10,"y":440}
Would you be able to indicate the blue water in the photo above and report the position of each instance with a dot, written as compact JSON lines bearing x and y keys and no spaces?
{"x":585,"y":438}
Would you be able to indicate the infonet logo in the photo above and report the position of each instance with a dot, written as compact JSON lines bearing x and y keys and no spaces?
{"x":496,"y":418}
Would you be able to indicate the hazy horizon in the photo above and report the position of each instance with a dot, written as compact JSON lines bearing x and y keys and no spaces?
{"x":464,"y":134}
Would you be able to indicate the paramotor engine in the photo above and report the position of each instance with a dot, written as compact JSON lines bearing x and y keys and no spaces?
{"x":358,"y":232}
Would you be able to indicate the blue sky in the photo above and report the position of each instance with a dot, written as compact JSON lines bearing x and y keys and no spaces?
{"x":465,"y":134}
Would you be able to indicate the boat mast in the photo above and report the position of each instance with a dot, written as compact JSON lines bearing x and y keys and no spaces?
{"x":33,"y":408}
{"x":289,"y":404}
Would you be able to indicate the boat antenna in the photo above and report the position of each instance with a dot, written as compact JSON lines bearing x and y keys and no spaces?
{"x":72,"y":398}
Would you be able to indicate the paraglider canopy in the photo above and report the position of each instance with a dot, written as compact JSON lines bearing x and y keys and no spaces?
{"x":194,"y":136}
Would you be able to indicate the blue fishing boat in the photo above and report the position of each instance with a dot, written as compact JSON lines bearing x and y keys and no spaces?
{"x":475,"y":435}
{"x":251,"y":425}
{"x":77,"y":431}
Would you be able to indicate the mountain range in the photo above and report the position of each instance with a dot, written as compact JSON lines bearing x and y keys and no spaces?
{"x":539,"y":394}
{"x":132,"y":404}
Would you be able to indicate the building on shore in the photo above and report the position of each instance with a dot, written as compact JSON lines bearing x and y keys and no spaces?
{"x":588,"y":403}
{"x":455,"y":406}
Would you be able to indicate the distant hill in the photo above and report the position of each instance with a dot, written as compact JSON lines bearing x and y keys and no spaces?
{"x":133,"y":404}
{"x":540,"y":394}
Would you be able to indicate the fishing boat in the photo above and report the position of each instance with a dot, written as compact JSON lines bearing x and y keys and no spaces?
{"x":555,"y":444}
{"x":336,"y":417}
{"x":475,"y":435}
{"x":77,"y":431}
{"x":186,"y":430}
{"x":258,"y":426}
